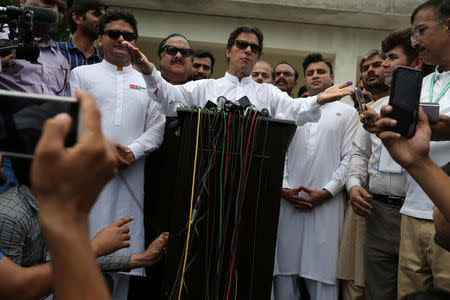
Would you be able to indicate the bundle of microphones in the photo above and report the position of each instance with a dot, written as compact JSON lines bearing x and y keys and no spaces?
{"x":243,"y":105}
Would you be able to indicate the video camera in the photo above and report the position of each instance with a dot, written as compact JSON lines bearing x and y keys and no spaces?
{"x":19,"y":22}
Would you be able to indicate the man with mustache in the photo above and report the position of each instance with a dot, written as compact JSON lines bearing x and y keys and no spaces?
{"x":175,"y":58}
{"x":312,"y":204}
{"x":263,"y":72}
{"x":82,"y":17}
{"x":372,"y":74}
{"x":380,"y":204}
{"x":203,"y":65}
{"x":285,"y":77}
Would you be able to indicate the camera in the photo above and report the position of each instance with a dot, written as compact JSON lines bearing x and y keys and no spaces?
{"x":18,"y":22}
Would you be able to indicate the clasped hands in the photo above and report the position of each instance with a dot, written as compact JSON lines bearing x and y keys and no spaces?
{"x":310,"y":201}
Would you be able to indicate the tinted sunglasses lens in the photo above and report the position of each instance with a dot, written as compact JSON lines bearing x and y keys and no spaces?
{"x":243,"y":45}
{"x":128,"y":36}
{"x":174,"y":50}
{"x":185,"y":52}
{"x":113,"y":34}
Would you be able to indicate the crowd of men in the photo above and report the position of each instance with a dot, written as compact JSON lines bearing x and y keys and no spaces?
{"x":356,"y":219}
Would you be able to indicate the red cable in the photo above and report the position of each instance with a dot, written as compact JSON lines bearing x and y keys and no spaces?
{"x":240,"y":214}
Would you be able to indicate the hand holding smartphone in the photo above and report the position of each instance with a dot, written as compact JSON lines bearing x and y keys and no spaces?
{"x":22,"y":116}
{"x":404,"y":99}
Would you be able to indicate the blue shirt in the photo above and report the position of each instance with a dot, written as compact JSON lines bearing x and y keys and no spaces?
{"x":75,"y":57}
{"x":1,"y":255}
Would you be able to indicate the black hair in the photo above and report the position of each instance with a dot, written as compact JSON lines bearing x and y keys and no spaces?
{"x":247,"y":29}
{"x":442,"y":8}
{"x":301,"y":90}
{"x":115,"y":15}
{"x":316,"y":57}
{"x":204,"y":53}
{"x":286,"y":63}
{"x":81,"y":7}
{"x":401,"y":37}
{"x":163,"y":42}
{"x":369,"y":55}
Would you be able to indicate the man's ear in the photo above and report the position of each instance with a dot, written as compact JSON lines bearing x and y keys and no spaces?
{"x":227,"y":53}
{"x":332,"y":78}
{"x":77,"y":18}
{"x":99,"y":41}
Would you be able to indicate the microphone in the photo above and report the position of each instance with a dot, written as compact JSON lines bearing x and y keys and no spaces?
{"x":40,"y":15}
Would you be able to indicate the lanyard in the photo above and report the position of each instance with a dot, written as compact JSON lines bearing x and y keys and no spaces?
{"x":447,"y":86}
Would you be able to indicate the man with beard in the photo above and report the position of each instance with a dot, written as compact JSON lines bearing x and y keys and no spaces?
{"x":312,"y":204}
{"x":286,"y":78}
{"x":372,"y":74}
{"x":263,"y":72}
{"x":175,"y":58}
{"x":203,"y":65}
{"x":82,"y":17}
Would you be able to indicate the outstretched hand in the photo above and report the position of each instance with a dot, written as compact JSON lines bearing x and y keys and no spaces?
{"x":335,"y":92}
{"x":138,"y":59}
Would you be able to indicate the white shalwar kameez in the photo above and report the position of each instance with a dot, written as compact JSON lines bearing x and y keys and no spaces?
{"x":261,"y":95}
{"x":131,"y":118}
{"x":318,"y":158}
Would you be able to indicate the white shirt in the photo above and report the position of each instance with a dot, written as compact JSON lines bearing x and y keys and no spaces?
{"x":417,"y":204}
{"x":365,"y":160}
{"x":130,"y":118}
{"x":318,"y":157}
{"x":261,"y":95}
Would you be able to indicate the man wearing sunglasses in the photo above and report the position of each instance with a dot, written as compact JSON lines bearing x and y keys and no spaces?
{"x":175,"y":58}
{"x":203,"y":65}
{"x":243,"y":49}
{"x":134,"y":125}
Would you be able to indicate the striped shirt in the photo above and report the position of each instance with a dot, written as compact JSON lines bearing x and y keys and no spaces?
{"x":75,"y":57}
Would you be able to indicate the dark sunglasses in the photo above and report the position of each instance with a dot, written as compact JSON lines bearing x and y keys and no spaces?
{"x":244,"y":45}
{"x":171,"y":50}
{"x":115,"y":34}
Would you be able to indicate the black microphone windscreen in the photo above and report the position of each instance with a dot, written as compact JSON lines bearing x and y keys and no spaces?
{"x":43,"y":15}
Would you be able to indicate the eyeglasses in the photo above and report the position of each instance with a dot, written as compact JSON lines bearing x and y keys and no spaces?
{"x":172,"y":50}
{"x":417,"y":32}
{"x":205,"y":67}
{"x":115,"y":34}
{"x":244,"y":45}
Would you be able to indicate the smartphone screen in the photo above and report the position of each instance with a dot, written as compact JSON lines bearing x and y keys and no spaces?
{"x":22,"y":117}
{"x":405,"y":98}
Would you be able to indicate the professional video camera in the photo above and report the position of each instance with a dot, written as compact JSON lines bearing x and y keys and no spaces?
{"x":19,"y":22}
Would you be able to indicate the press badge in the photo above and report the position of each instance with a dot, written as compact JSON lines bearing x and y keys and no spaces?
{"x":386,"y":164}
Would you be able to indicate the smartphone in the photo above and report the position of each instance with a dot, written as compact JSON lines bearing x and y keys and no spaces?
{"x":431,"y":110}
{"x":404,"y":99}
{"x":22,"y":116}
{"x":358,"y":98}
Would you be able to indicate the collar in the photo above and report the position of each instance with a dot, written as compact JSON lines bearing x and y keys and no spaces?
{"x":25,"y":192}
{"x":72,"y":46}
{"x":46,"y":41}
{"x":234,"y":79}
{"x":439,"y":75}
{"x":113,"y":68}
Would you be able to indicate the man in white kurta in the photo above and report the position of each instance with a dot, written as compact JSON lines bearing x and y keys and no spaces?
{"x":130,"y":118}
{"x":243,"y":50}
{"x":310,"y":226}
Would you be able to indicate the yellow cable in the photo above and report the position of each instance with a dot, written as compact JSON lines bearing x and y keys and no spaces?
{"x":190,"y":210}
